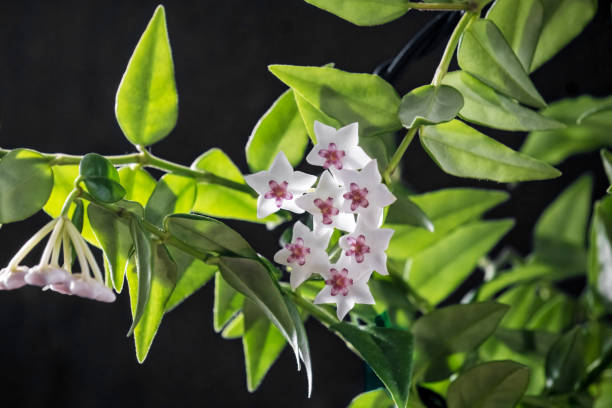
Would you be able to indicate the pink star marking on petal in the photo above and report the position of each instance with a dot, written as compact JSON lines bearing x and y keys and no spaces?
{"x":327,"y":209}
{"x":278,"y":192}
{"x":339,"y":281}
{"x":332,"y":156}
{"x":298,"y":252}
{"x":357,"y":197}
{"x":357,"y":247}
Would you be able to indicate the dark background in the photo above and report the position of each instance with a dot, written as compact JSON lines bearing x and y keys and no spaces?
{"x":60,"y":65}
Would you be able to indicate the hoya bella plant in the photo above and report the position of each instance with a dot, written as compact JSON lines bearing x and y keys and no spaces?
{"x":368,"y":258}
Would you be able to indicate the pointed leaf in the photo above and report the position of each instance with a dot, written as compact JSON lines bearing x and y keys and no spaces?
{"x":172,"y":194}
{"x":600,"y":251}
{"x":485,"y":53}
{"x":228,"y":302}
{"x":429,"y":104}
{"x":464,"y":152}
{"x":564,"y":362}
{"x":146,"y":105}
{"x":235,"y":328}
{"x":192,"y":274}
{"x":372,"y":399}
{"x":606,"y":159}
{"x":364,"y":12}
{"x":405,"y":211}
{"x":310,"y":113}
{"x":145,"y":265}
{"x":138,"y":184}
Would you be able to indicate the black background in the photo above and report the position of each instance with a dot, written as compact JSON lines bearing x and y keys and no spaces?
{"x":60,"y":64}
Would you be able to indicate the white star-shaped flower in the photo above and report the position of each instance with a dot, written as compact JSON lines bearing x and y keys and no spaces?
{"x":366,"y":246}
{"x":337,"y":148}
{"x":325,"y":205}
{"x":279,"y":187}
{"x":345,"y":285}
{"x":364,"y":193}
{"x":305,"y":254}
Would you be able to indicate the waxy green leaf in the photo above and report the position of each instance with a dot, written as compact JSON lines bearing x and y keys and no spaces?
{"x":138,"y":184}
{"x":364,"y":12}
{"x":192,"y":274}
{"x":347,"y":97}
{"x":429,"y":105}
{"x":493,"y":384}
{"x":235,"y":328}
{"x":26,"y":182}
{"x":564,"y":362}
{"x":405,"y":212}
{"x":372,"y":399}
{"x":172,"y":194}
{"x":606,"y":159}
{"x":388,"y":351}
{"x":101,"y":178}
{"x":310,"y":113}
{"x":464,"y":152}
{"x":228,"y":302}
{"x":280,"y":129}
{"x":600,"y":249}
{"x":485,"y":106}
{"x":485,"y":53}
{"x":146,"y":105}
{"x":145,"y":265}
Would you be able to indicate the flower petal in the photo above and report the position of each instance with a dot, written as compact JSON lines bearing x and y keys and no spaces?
{"x":281,"y":169}
{"x":344,"y":305}
{"x":325,"y":296}
{"x":265,"y":207}
{"x":301,"y":182}
{"x":360,"y":292}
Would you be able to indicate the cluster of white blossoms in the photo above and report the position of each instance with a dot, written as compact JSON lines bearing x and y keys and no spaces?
{"x":350,"y":197}
{"x":48,"y":274}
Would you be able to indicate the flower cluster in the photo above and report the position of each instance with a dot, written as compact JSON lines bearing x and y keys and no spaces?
{"x":350,"y":197}
{"x":48,"y":274}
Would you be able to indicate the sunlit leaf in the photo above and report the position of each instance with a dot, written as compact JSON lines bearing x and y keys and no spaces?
{"x":172,"y":194}
{"x":372,"y":399}
{"x":364,"y":12}
{"x":145,"y":265}
{"x":228,"y":302}
{"x":138,"y":184}
{"x":192,"y":274}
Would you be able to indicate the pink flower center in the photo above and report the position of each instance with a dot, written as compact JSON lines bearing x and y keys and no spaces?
{"x":278,"y":192}
{"x":327,"y":209}
{"x":332,"y":156}
{"x":298,"y":252}
{"x":357,"y":248}
{"x":339,"y":282}
{"x":357,"y":197}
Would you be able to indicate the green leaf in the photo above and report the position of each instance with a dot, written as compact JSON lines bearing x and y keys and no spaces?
{"x":147,"y":102}
{"x":228,"y":302}
{"x":527,"y":341}
{"x":592,"y":133}
{"x":172,"y":194}
{"x":564,"y":362}
{"x":388,"y":351}
{"x":163,"y":279}
{"x":192,"y":274}
{"x":279,"y":129}
{"x":485,"y":106}
{"x":223,"y":202}
{"x":145,"y":265}
{"x":447,"y":209}
{"x":485,"y":53}
{"x":606,"y":159}
{"x":235,"y":328}
{"x":520,"y":21}
{"x":429,"y":104}
{"x":26,"y":182}
{"x":554,"y":315}
{"x":523,"y":301}
{"x":114,"y":235}
{"x":364,"y":12}
{"x":457,"y":328}
{"x":464,"y":152}
{"x":405,"y":211}
{"x":310,"y":113}
{"x":262,"y":343}
{"x":372,"y":399}
{"x":600,"y":250}
{"x":495,"y":384}
{"x":438,"y":270}
{"x":347,"y":97}
{"x":101,"y":178}
{"x":562,"y":21}
{"x":138,"y":184}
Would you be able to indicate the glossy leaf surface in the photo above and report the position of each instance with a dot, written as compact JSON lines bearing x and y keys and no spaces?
{"x":429,"y":104}
{"x":364,"y":12}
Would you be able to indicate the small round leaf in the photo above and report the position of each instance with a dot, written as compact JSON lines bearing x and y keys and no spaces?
{"x":428,"y":105}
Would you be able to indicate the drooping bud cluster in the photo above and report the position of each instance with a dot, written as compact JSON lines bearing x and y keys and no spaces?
{"x":48,"y":274}
{"x":349,"y":196}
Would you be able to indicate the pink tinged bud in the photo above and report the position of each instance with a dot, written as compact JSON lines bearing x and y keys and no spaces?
{"x":13,"y":279}
{"x":278,"y":192}
{"x":357,"y":197}
{"x":62,"y":287}
{"x":339,"y":281}
{"x":83,"y":287}
{"x":332,"y":156}
{"x":327,"y":209}
{"x":298,"y":252}
{"x":46,"y":275}
{"x":104,"y":294}
{"x":357,"y":248}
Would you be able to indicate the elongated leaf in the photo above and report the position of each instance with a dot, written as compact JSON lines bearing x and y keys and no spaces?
{"x":224,"y":202}
{"x":562,"y":21}
{"x":310,"y":113}
{"x":555,"y":315}
{"x":228,"y":302}
{"x":520,"y":21}
{"x":527,"y":341}
{"x":485,"y":106}
{"x":495,"y":384}
{"x":600,"y":250}
{"x":606,"y":159}
{"x":372,"y":399}
{"x":523,"y":300}
{"x":26,"y":182}
{"x":429,"y":104}
{"x":592,"y":133}
{"x":147,"y":102}
{"x":485,"y":53}
{"x":564,"y":362}
{"x":145,"y":265}
{"x":388,"y":351}
{"x":262,"y":343}
{"x":447,"y":209}
{"x":280,"y":129}
{"x":405,"y":211}
{"x":347,"y":97}
{"x":364,"y":12}
{"x":235,"y":328}
{"x":463,"y":151}
{"x":172,"y":194}
{"x":457,"y":328}
{"x":441,"y":268}
{"x":138,"y":184}
{"x":192,"y":274}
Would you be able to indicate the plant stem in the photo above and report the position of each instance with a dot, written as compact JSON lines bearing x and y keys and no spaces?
{"x":439,"y":6}
{"x":451,"y":46}
{"x":397,"y":156}
{"x":321,"y":314}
